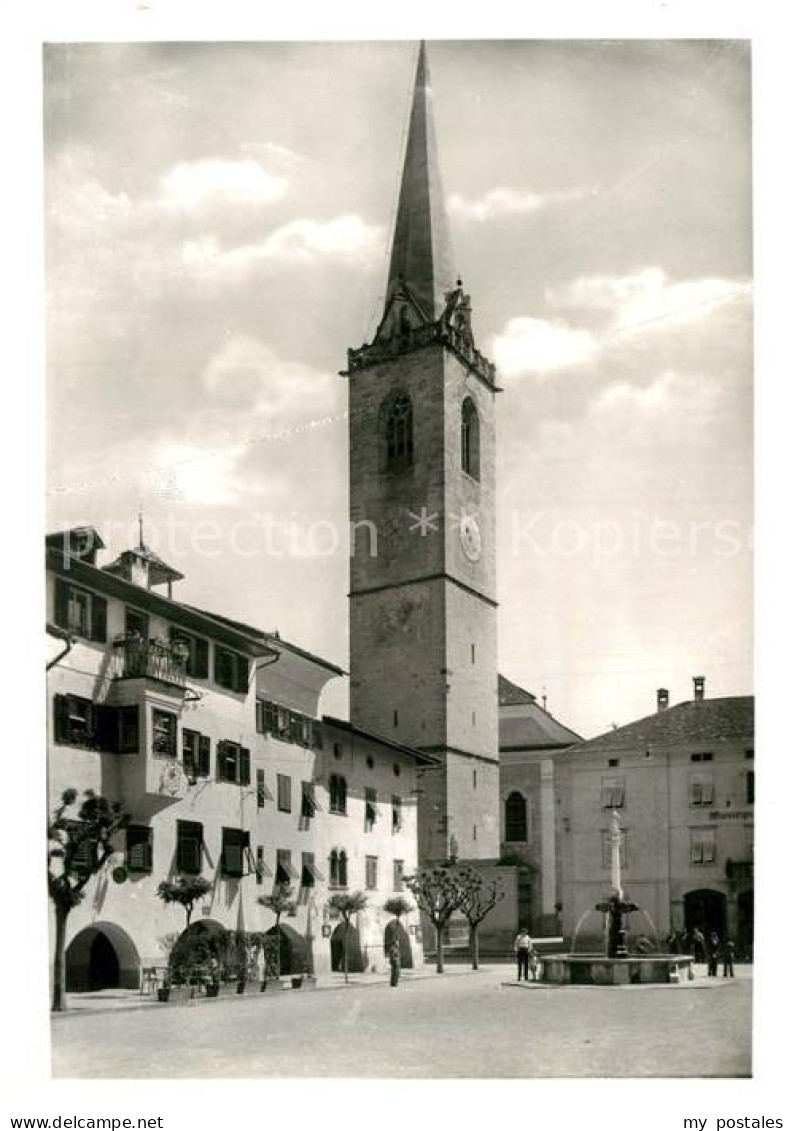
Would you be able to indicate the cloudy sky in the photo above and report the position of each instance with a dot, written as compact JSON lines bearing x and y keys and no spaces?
{"x":218,"y":220}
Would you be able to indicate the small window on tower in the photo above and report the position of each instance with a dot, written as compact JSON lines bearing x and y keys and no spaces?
{"x":470,"y":438}
{"x":397,"y":433}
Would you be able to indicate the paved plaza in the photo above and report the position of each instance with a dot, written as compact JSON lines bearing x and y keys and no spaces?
{"x":458,"y":1025}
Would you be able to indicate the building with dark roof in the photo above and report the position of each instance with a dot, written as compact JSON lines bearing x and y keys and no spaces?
{"x":682,"y":781}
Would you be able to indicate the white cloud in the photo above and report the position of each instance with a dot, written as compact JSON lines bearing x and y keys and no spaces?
{"x":247,"y":373}
{"x":533,"y":345}
{"x":646,"y":296}
{"x":192,"y":186}
{"x":506,"y":202}
{"x":643,"y":301}
{"x":343,"y":239}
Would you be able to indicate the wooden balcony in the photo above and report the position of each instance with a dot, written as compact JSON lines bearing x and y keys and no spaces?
{"x":136,"y":658}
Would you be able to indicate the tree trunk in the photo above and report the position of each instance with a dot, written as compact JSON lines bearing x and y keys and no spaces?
{"x":346,"y":951}
{"x":439,"y":935}
{"x":474,"y":945}
{"x":59,"y":962}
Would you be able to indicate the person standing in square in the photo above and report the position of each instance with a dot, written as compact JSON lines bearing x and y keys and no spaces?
{"x":522,"y":948}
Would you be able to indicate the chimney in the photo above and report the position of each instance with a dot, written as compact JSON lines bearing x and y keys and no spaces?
{"x":662,"y":698}
{"x":698,"y":688}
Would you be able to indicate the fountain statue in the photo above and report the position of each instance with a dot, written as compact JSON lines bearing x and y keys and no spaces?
{"x":617,"y":966}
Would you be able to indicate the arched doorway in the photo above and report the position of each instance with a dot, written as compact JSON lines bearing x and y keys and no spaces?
{"x":102,"y":957}
{"x":395,"y":931}
{"x":357,"y":959}
{"x":705,"y":909}
{"x":293,"y":950}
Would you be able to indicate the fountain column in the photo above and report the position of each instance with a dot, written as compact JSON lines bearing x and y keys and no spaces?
{"x":616,"y":906}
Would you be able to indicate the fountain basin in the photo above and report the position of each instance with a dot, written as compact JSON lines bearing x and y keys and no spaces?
{"x":598,"y":970}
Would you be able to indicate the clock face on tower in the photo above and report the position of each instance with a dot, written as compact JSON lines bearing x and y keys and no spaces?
{"x":470,"y":537}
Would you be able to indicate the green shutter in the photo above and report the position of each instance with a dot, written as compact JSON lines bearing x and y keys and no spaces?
{"x":244,"y":766}
{"x":61,"y":718}
{"x":98,"y":619}
{"x":204,"y":755}
{"x":61,"y":603}
{"x":106,"y":728}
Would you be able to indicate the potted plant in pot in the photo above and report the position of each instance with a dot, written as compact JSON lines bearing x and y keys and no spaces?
{"x":280,"y":903}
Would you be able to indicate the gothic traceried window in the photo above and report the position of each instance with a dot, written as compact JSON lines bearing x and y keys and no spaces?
{"x":470,"y":438}
{"x":397,"y":433}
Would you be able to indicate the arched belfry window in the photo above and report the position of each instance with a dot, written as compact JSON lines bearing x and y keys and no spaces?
{"x":470,"y":438}
{"x":516,"y":817}
{"x":397,"y":432}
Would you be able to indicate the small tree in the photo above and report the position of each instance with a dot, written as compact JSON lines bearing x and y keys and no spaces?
{"x":343,"y":905}
{"x":281,"y":902}
{"x":397,"y":905}
{"x":437,"y":894}
{"x":477,"y":897}
{"x":79,"y":845}
{"x":185,"y":892}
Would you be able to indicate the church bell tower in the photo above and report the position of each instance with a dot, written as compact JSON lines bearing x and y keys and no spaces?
{"x":423,"y":636}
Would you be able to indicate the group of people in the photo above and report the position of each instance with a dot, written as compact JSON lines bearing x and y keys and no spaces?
{"x":710,"y":949}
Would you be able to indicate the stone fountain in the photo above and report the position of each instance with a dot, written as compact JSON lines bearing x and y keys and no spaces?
{"x":616,"y":966}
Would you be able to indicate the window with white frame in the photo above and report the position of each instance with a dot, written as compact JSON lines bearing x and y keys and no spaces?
{"x":613,"y":793}
{"x":338,"y":868}
{"x":702,"y":846}
{"x":701,"y":789}
{"x":164,"y":730}
{"x":371,"y":873}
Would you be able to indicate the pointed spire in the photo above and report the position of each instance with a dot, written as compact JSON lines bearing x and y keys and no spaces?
{"x":421,"y":255}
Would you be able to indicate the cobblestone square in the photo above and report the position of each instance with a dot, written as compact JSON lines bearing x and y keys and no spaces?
{"x":459,"y":1025}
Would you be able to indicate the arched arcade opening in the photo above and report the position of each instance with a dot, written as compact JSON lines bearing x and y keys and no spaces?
{"x":102,"y":957}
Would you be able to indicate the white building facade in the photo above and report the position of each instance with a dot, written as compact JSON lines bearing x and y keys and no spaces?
{"x":209,"y":734}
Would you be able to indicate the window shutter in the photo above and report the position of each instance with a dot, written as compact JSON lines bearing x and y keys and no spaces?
{"x":201,"y":659}
{"x":204,"y":755}
{"x":98,"y":618}
{"x":106,"y":728}
{"x":242,"y":674}
{"x":260,"y":796}
{"x":244,"y":766}
{"x":61,"y":715}
{"x":221,"y":759}
{"x":84,"y":855}
{"x":139,"y":848}
{"x":61,"y":603}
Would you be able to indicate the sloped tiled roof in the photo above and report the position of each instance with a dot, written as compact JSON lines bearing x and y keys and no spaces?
{"x":707,"y":720}
{"x":510,"y":695}
{"x":534,"y":729}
